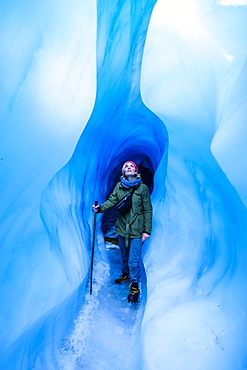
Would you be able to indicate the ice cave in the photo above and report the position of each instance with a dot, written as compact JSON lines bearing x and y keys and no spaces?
{"x":85,"y":86}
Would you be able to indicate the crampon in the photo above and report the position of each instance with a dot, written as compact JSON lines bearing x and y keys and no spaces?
{"x":134,"y":293}
{"x":122,"y":278}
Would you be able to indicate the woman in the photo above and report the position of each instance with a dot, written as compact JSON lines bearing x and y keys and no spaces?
{"x":132,"y":227}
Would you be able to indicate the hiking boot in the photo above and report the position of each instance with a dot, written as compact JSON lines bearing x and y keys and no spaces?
{"x":134,"y":293}
{"x":123,"y":277}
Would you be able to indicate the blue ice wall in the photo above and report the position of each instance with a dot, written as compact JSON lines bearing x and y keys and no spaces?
{"x":196,"y":277}
{"x":120,"y":127}
{"x":47,"y":95}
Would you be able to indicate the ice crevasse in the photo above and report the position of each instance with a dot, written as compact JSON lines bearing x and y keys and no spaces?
{"x":83,"y":87}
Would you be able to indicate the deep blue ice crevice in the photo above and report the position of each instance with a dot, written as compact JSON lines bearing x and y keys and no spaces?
{"x":195,"y":313}
{"x":121,"y":127}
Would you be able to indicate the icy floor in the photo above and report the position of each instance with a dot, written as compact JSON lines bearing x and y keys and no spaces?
{"x":106,"y":331}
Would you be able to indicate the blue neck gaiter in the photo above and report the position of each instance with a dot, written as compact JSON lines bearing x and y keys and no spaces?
{"x":129,"y":184}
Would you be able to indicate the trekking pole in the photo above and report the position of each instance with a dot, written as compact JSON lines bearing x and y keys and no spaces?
{"x":94,"y":233}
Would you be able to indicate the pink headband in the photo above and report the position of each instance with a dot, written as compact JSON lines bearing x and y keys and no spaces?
{"x":136,"y":167}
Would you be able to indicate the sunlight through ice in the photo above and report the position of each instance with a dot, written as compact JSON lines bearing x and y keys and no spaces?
{"x":183,"y":15}
{"x":233,"y":2}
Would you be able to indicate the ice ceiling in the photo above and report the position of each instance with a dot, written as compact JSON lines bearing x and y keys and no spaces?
{"x":84,"y":86}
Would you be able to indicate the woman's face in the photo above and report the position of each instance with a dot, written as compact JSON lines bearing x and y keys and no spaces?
{"x":129,"y":169}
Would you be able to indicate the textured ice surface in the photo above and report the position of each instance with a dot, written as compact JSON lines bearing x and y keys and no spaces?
{"x":63,"y":140}
{"x":106,"y":332}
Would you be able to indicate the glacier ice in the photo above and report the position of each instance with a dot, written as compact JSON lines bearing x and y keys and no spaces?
{"x":67,"y":124}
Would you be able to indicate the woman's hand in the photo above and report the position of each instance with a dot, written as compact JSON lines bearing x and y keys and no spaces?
{"x":95,"y":209}
{"x":145,"y":236}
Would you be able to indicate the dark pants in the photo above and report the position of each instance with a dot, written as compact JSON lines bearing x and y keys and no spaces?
{"x":131,"y":257}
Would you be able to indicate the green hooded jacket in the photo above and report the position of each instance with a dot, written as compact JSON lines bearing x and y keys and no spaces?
{"x":139,"y":218}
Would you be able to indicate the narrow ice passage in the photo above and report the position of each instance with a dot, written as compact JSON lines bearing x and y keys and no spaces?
{"x":190,"y":59}
{"x":123,"y":128}
{"x":112,"y":335}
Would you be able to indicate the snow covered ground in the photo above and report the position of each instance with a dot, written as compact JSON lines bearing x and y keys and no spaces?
{"x":107,"y":329}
